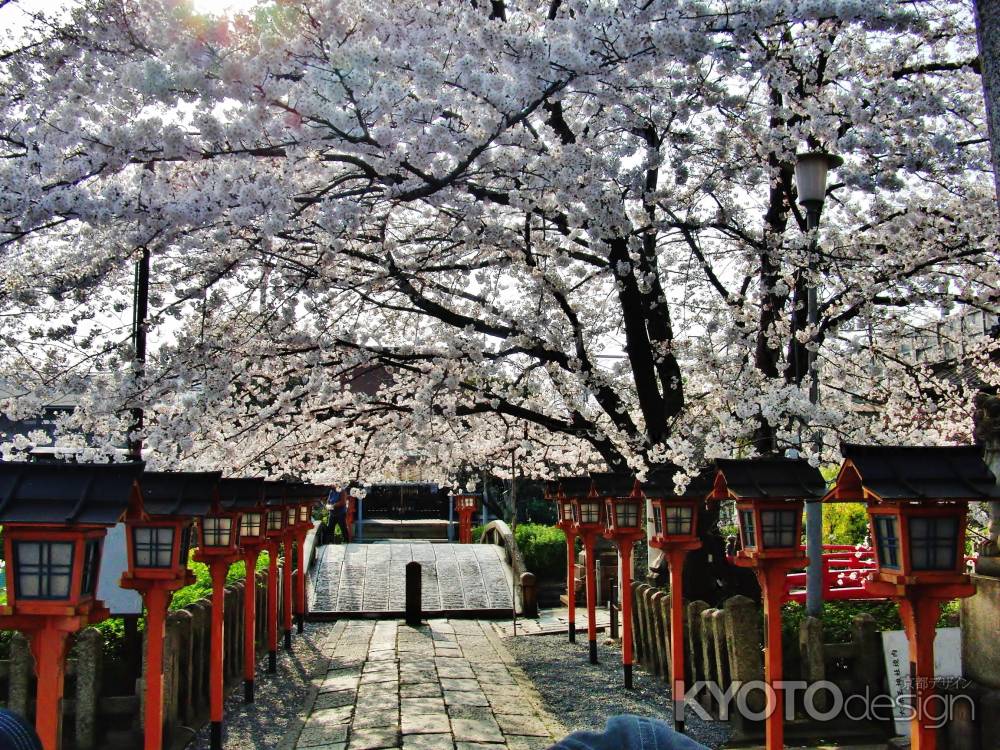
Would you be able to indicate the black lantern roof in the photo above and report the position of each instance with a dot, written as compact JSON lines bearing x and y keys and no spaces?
{"x":660,"y":483}
{"x":66,"y":493}
{"x":575,"y":486}
{"x":238,"y":493}
{"x":276,"y":493}
{"x":911,"y":472}
{"x":179,"y":493}
{"x":771,"y":478}
{"x":608,"y":484}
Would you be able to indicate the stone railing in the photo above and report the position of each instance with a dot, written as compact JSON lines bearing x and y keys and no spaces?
{"x":526,"y":592}
{"x":92,"y":718}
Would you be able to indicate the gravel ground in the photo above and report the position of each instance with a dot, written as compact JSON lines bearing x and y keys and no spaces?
{"x":584,"y":695}
{"x":280,"y":698}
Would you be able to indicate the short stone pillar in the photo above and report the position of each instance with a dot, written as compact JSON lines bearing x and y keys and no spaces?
{"x":89,"y":655}
{"x":414,"y":594}
{"x":22,"y":667}
{"x":529,"y":595}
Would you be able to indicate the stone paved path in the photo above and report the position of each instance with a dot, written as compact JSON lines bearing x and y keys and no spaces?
{"x":448,"y":685}
{"x":371,"y":577}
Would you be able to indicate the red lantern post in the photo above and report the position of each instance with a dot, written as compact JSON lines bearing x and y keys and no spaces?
{"x":247,"y":497}
{"x":588,"y":522}
{"x":675,"y":532}
{"x":553,"y":492}
{"x":158,"y":538}
{"x":55,"y":518}
{"x":917,"y":500}
{"x":626,"y":526}
{"x":770,"y":494}
{"x":276,"y":518}
{"x":218,"y":547}
{"x":465,"y":506}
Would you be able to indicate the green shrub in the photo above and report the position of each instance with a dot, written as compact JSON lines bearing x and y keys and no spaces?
{"x":844,"y":523}
{"x":542,"y":547}
{"x":837,"y":617}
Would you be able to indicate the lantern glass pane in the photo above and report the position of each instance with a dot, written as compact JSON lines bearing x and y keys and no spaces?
{"x":590,"y":511}
{"x":933,"y":542}
{"x":291,"y":517}
{"x":153,"y":546}
{"x":627,"y":514}
{"x":567,"y":511}
{"x":250,"y":525}
{"x":678,"y":519}
{"x":304,"y":513}
{"x":44,"y":569}
{"x":274,"y":520}
{"x":91,"y":564}
{"x":748,"y":529}
{"x":778,"y":528}
{"x":215,"y":530}
{"x":887,"y":541}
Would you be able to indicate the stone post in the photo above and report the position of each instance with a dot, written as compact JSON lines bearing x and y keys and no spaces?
{"x":813,"y":657}
{"x":660,"y":632}
{"x":173,"y":657}
{"x":721,"y":643}
{"x":640,"y":655}
{"x":694,"y":637}
{"x":89,"y":654}
{"x":180,"y":622}
{"x":200,"y":637}
{"x":708,"y":650}
{"x":529,"y":595}
{"x":22,"y":667}
{"x":869,"y":666}
{"x":746,"y":642}
{"x":642,"y":607}
{"x":664,"y":614}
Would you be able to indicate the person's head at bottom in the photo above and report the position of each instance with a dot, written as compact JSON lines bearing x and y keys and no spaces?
{"x":628,"y":731}
{"x":16,"y":733}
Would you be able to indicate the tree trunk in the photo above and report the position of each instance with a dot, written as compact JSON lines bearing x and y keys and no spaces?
{"x":988,"y":33}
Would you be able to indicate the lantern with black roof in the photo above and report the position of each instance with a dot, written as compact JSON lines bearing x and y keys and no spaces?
{"x":564,"y":513}
{"x":158,"y":536}
{"x":588,"y":523}
{"x":246,"y":495}
{"x":276,"y":497}
{"x":675,"y":532}
{"x":626,"y":524}
{"x":770,"y":493}
{"x":465,"y":506}
{"x":218,"y":548}
{"x":55,"y":518}
{"x":917,"y":499}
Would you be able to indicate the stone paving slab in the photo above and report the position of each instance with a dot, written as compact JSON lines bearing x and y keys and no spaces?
{"x":475,"y":697}
{"x":370,"y":578}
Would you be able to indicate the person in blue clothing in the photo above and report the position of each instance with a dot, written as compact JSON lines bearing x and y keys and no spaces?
{"x":16,"y":733}
{"x":629,"y":732}
{"x":338,"y":514}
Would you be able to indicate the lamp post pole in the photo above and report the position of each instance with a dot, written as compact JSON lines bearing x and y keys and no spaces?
{"x":811,"y":171}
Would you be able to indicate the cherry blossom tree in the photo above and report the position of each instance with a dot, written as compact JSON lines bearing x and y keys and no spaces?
{"x":566,"y":230}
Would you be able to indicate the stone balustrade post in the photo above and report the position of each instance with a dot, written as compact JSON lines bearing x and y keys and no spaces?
{"x":22,"y":667}
{"x":89,"y":650}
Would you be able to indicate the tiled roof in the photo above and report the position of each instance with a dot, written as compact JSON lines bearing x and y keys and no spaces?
{"x":66,"y":493}
{"x":772,"y":478}
{"x":923,"y":472}
{"x":178,"y":493}
{"x":241,"y":492}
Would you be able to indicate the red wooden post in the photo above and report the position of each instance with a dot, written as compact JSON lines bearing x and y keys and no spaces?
{"x":591,"y":576}
{"x":675,"y":559}
{"x":625,"y":594}
{"x":300,"y":581}
{"x":48,"y":646}
{"x":272,"y":606}
{"x":571,"y":583}
{"x":771,"y":575}
{"x":218,"y":570}
{"x":250,"y":623}
{"x":920,"y":614}
{"x":156,"y":599}
{"x":286,"y":594}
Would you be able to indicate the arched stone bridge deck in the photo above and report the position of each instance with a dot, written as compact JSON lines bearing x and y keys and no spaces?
{"x":368,"y":580}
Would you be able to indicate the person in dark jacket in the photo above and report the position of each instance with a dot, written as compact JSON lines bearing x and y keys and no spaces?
{"x":16,"y":733}
{"x":629,"y":732}
{"x":338,"y":514}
